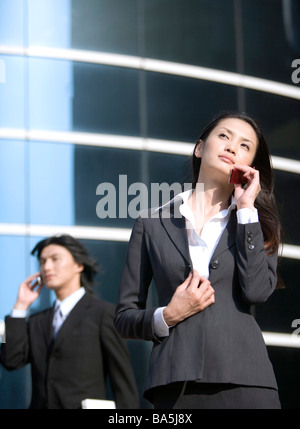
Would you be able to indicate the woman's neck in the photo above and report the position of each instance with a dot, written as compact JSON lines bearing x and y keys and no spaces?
{"x":206,"y":201}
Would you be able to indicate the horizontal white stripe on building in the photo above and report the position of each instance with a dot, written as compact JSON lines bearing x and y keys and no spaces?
{"x":281,"y":340}
{"x":125,"y":142}
{"x":97,"y":233}
{"x":273,"y":339}
{"x":291,"y":251}
{"x":159,"y":66}
{"x":80,"y":232}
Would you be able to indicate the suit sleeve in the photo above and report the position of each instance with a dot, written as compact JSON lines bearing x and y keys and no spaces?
{"x":133,"y":319}
{"x":257,"y":270}
{"x":117,"y":362}
{"x":15,"y":351}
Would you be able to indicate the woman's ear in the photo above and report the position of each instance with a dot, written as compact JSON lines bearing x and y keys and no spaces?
{"x":198,"y":149}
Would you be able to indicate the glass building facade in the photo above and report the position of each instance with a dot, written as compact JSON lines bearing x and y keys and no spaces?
{"x":92,"y":91}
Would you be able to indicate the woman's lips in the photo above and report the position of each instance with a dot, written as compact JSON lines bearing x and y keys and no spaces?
{"x":227,"y":159}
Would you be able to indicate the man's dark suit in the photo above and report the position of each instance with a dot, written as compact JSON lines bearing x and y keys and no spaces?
{"x":223,"y":343}
{"x":74,"y":367}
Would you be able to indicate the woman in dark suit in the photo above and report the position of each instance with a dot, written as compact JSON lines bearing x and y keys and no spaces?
{"x":212,"y":253}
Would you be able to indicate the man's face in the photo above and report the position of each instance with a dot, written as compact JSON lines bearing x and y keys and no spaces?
{"x":58,"y":268}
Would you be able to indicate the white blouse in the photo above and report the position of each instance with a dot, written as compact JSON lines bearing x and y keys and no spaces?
{"x":201,"y":247}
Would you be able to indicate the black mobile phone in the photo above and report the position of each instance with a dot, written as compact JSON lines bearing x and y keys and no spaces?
{"x":36,"y":283}
{"x":237,"y":176}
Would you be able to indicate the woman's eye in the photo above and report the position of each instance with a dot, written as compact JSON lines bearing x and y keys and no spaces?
{"x":223,"y":135}
{"x":245,"y":146}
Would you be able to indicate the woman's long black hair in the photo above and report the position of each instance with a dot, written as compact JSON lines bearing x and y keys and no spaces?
{"x":265,"y":201}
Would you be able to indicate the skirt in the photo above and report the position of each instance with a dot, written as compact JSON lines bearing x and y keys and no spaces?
{"x":211,"y":396}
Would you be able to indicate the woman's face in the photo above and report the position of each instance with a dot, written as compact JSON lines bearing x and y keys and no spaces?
{"x":232,"y":141}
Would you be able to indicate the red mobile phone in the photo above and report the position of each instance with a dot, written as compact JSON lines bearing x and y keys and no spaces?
{"x":237,"y":176}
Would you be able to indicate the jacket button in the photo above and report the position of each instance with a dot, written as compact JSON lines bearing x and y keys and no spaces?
{"x":251,"y":247}
{"x":215,"y":264}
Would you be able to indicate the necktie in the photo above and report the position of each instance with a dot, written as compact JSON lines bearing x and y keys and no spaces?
{"x":57,"y":320}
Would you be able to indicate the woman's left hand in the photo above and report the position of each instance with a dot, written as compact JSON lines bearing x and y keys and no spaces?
{"x":245,"y":196}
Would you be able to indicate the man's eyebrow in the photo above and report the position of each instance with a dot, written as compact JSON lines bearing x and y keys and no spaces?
{"x":49,"y":256}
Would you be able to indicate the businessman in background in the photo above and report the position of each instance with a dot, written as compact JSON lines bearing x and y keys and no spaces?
{"x":73,"y":346}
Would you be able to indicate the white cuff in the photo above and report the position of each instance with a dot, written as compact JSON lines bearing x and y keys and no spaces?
{"x":161,"y":329}
{"x":246,"y":215}
{"x":18,"y":313}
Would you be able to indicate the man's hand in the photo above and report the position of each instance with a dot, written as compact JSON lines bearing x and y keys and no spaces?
{"x":27,"y":295}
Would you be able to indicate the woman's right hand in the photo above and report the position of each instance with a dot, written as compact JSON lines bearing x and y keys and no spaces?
{"x":191,"y":297}
{"x":27,"y":295}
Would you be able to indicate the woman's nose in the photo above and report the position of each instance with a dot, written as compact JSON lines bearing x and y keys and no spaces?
{"x":231,"y":148}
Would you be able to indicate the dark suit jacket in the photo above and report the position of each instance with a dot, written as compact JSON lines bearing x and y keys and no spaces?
{"x":223,"y":343}
{"x":87,"y":349}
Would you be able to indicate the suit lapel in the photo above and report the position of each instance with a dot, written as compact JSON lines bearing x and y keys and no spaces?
{"x":174,"y":223}
{"x":47,"y":326}
{"x":74,"y":317}
{"x":228,"y":236}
